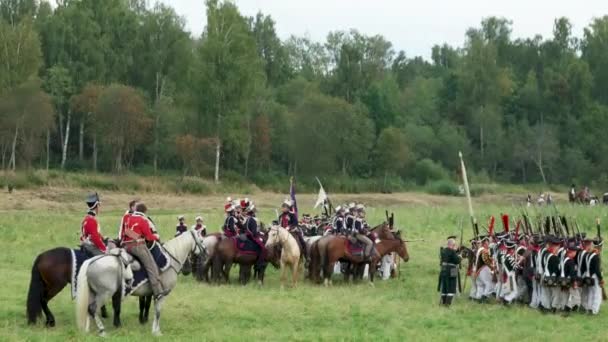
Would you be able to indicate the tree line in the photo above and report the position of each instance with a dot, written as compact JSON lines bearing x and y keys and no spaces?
{"x":119,"y":85}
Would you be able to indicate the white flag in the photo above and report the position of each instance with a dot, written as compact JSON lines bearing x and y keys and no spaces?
{"x":321,"y":198}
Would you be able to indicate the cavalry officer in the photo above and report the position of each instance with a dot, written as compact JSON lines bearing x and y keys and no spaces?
{"x":136,"y":237}
{"x":250,"y":228}
{"x":337,"y":224}
{"x":91,"y":240}
{"x":125,"y":219}
{"x":448,"y":276}
{"x":288,"y":220}
{"x":230,"y":224}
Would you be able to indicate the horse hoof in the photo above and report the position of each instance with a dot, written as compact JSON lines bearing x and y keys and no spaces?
{"x":157,"y":333}
{"x":372,"y":284}
{"x":102,"y":333}
{"x":50,"y":324}
{"x":117,"y":324}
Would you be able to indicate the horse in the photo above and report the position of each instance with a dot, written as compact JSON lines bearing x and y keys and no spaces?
{"x":51,"y":272}
{"x":226,"y":253}
{"x":101,"y":277}
{"x":201,"y":268}
{"x":337,"y":250}
{"x":290,"y":252}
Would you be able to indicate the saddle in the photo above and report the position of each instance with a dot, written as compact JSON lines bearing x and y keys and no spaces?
{"x":140,"y":276}
{"x":245,"y":246}
{"x":354,"y":246}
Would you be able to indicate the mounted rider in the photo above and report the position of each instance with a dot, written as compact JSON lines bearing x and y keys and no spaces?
{"x":337,"y":223}
{"x":200,"y":226}
{"x":230,"y":224}
{"x":349,"y":218}
{"x":360,"y":232}
{"x":137,"y":236}
{"x":250,"y":230}
{"x":91,"y":240}
{"x":125,"y":219}
{"x":181,"y":226}
{"x":288,"y":220}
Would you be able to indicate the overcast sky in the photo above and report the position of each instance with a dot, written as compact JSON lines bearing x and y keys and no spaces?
{"x":412,"y":26}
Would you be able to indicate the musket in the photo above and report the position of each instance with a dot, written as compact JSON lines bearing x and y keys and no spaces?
{"x":467,"y":191}
{"x":597,"y":226}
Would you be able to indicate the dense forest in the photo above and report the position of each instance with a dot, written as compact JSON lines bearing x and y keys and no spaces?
{"x":120,"y":85}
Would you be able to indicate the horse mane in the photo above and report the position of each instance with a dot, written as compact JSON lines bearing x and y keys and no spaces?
{"x":178,"y":244}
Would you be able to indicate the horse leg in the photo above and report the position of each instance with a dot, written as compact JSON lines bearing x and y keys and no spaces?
{"x":227,"y":268}
{"x":116,"y":302}
{"x":44,"y":303}
{"x":283,"y":274}
{"x":142,"y":306}
{"x":156,"y":324}
{"x":93,"y":314}
{"x":294,"y":270}
{"x":104,"y":312}
{"x":147,"y":305}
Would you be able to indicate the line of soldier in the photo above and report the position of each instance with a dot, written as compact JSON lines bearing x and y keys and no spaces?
{"x":550,"y":270}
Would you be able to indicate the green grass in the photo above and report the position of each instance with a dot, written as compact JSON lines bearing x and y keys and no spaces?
{"x":395,"y":310}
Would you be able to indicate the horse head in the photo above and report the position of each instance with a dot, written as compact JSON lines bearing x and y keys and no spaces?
{"x":402,"y":249}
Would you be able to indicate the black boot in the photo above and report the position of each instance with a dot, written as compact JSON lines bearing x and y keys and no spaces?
{"x":448,"y":300}
{"x":442,"y":300}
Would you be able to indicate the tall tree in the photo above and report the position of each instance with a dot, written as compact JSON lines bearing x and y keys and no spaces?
{"x":230,"y":70}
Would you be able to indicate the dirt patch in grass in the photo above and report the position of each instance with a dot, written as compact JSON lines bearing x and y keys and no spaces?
{"x":70,"y":199}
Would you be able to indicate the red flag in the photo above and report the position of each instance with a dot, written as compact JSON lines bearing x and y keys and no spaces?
{"x":517,"y":228}
{"x":505,"y":222}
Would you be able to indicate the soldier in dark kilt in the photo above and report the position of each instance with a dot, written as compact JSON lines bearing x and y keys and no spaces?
{"x":448,"y":276}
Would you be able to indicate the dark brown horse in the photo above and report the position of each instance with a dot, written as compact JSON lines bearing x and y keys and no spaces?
{"x":51,"y":272}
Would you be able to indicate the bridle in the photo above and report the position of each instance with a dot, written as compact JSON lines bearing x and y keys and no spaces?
{"x":197,"y":245}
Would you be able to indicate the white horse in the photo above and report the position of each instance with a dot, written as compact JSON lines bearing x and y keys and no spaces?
{"x":290,"y":251}
{"x":100,"y":278}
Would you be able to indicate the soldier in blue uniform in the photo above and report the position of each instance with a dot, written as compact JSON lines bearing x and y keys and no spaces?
{"x":288,"y":220}
{"x":250,"y":229}
{"x":337,"y":224}
{"x":181,"y":225}
{"x":230,"y":224}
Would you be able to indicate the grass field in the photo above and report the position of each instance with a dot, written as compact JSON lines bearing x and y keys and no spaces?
{"x":397,"y":309}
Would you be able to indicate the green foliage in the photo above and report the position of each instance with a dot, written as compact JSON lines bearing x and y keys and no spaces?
{"x":427,"y":170}
{"x":524,"y":110}
{"x":444,"y":187}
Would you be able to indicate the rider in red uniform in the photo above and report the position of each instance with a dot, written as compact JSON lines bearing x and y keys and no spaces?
{"x":125,"y":219}
{"x":137,"y":233}
{"x":91,"y":239}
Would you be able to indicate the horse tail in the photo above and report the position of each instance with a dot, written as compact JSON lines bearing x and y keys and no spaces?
{"x":35,"y":294}
{"x":216,"y":271}
{"x":82,"y":297}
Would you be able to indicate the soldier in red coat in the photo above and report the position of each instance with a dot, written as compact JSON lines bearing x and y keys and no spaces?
{"x":137,"y":233}
{"x":125,"y":219}
{"x":91,"y":240}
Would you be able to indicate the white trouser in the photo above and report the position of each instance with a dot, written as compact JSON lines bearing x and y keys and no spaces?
{"x":485,"y":285}
{"x":385,"y":268}
{"x":562,"y":298}
{"x":509,"y":289}
{"x":556,"y":296}
{"x":594,"y":296}
{"x":574,"y":297}
{"x":473,"y":292}
{"x":536,"y":294}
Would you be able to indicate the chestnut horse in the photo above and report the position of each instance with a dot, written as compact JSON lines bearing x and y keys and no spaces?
{"x":227,"y":254}
{"x":337,"y":250}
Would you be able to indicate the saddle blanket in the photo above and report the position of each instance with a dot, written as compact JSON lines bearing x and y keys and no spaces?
{"x":163,"y":261}
{"x":246,"y":246}
{"x":354,"y":248}
{"x":78,"y":258}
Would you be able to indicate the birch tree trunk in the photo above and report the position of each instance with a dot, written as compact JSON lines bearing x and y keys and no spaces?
{"x":248,"y":151}
{"x":48,"y":149}
{"x":217,"y":161}
{"x":12,"y":162}
{"x":95,"y":152}
{"x":81,"y":141}
{"x":64,"y":150}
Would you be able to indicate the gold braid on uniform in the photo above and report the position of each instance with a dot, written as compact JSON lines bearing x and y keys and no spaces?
{"x":487,"y":259}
